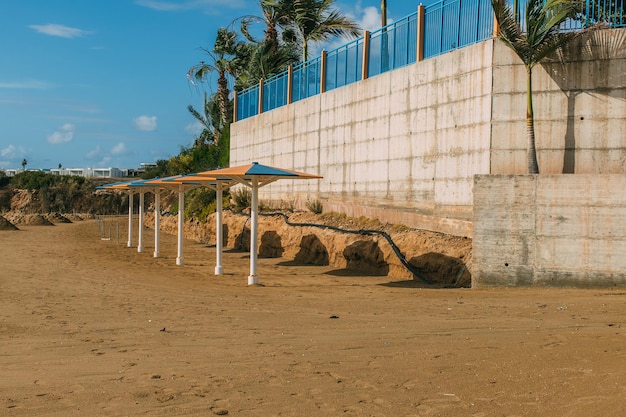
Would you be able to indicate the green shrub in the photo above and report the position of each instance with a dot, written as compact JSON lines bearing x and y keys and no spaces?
{"x":288,"y":205}
{"x":242,"y":198}
{"x":4,"y":180}
{"x":197,"y":201}
{"x":314,"y":206}
{"x":265,"y":206}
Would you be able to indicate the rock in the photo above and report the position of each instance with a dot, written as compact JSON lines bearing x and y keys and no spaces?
{"x":7,"y":225}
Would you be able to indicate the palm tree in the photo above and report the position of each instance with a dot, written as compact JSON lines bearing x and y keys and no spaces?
{"x":222,"y":57}
{"x":24,"y":163}
{"x":265,"y":63}
{"x":263,"y":58}
{"x":209,"y":134}
{"x":540,"y":37}
{"x":275,"y":14}
{"x":316,"y":21}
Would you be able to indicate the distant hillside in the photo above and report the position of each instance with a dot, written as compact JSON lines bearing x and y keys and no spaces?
{"x":38,"y":192}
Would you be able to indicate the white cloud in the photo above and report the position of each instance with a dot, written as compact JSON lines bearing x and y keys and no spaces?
{"x":119,"y":149}
{"x":104,"y":161}
{"x":9,"y":151}
{"x":194,"y":128}
{"x":25,"y":84}
{"x":61,"y":31}
{"x":12,"y":155}
{"x":367,"y":18}
{"x":210,"y":6}
{"x":103,"y":158}
{"x":370,"y":19}
{"x":63,"y":135}
{"x":146,"y":123}
{"x":94,"y":153}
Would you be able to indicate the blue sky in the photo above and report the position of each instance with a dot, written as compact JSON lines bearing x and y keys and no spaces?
{"x":102,"y":83}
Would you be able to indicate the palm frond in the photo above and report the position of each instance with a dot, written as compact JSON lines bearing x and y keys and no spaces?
{"x":511,"y":34}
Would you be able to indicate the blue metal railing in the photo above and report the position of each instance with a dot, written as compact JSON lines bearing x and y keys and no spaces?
{"x":453,"y":24}
{"x":608,"y":11}
{"x":393,"y":46}
{"x":448,"y":25}
{"x":344,"y":65}
{"x":306,"y":79}
{"x":248,"y":102}
{"x":275,"y":91}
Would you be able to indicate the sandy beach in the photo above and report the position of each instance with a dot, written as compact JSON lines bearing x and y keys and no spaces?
{"x":92,"y":328}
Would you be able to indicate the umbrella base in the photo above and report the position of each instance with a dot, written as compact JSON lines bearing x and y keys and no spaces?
{"x":253,"y":279}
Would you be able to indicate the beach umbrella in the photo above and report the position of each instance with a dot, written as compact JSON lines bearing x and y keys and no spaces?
{"x":121,"y":185}
{"x":124,"y":185}
{"x":168,"y":183}
{"x":255,"y":176}
{"x":154,"y":185}
{"x":142,"y":186}
{"x":218,"y":186}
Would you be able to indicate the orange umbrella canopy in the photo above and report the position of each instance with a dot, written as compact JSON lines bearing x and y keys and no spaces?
{"x":192,"y":179}
{"x":265,"y":174}
{"x":254,"y":175}
{"x":173,"y":182}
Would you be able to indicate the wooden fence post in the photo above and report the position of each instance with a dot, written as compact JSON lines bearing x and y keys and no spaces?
{"x":366,"y":55}
{"x":261,"y":82}
{"x":323,"y":72}
{"x":289,"y":84}
{"x":420,"y":32}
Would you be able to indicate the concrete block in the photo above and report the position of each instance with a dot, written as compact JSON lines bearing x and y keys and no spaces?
{"x":509,"y":107}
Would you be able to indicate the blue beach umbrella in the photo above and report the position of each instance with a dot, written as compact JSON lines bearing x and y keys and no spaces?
{"x":254,"y":176}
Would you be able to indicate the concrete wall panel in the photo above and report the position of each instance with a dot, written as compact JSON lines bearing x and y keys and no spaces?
{"x":549,"y":230}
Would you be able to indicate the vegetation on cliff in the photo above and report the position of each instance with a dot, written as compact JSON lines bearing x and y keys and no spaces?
{"x":39,"y":192}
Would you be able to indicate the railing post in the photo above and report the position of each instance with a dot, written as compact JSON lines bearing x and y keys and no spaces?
{"x":420,"y":32}
{"x":496,"y":27}
{"x":289,"y":84}
{"x":235,"y":106}
{"x":323,"y":72}
{"x":366,"y":56}
{"x":261,"y":82}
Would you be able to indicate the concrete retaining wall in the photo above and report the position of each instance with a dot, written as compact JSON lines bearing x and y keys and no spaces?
{"x":549,"y":230}
{"x":404,"y":146}
{"x":579,"y":100}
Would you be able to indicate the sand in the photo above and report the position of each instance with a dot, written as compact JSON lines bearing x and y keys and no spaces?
{"x":92,"y":328}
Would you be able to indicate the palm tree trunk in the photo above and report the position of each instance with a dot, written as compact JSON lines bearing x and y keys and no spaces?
{"x":305,"y":51}
{"x":383,"y":12}
{"x":533,"y":166}
{"x":384,"y":59}
{"x":222,"y":85}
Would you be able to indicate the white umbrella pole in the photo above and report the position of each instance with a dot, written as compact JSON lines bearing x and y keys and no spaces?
{"x":157,"y":220}
{"x":219,"y":269}
{"x":253,"y":279}
{"x":140,"y":241}
{"x":181,"y":209}
{"x":130,"y":219}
